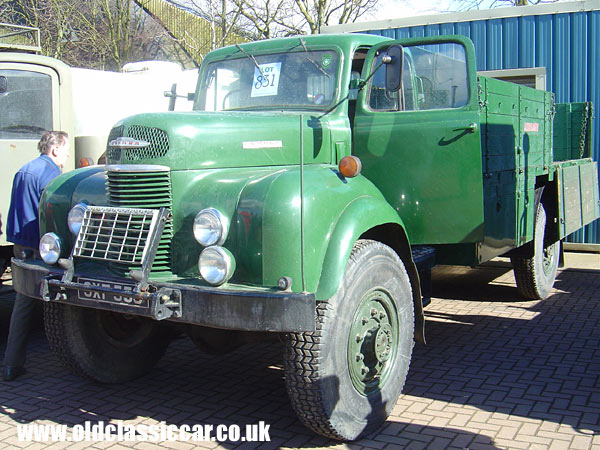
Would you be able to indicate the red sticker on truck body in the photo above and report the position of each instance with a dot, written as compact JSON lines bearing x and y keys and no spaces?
{"x":531,"y":127}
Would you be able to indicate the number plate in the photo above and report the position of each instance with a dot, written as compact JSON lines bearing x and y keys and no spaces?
{"x":106,"y":297}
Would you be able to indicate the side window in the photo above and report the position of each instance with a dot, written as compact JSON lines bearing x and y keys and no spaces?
{"x":26,"y":104}
{"x":408,"y":87}
{"x":380,"y":98}
{"x":440,"y":78}
{"x":434,"y":77}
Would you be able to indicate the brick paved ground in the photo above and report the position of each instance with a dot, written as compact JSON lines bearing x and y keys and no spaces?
{"x":498,"y":372}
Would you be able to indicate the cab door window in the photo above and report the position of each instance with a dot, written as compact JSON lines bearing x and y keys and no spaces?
{"x":381,"y":98}
{"x":434,"y":77}
{"x":26,"y":104}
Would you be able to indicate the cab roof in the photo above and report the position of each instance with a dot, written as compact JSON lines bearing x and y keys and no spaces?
{"x":346,"y":42}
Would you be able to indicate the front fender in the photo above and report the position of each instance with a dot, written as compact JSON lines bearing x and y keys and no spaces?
{"x":337,"y":211}
{"x":59,"y":196}
{"x":360,"y":215}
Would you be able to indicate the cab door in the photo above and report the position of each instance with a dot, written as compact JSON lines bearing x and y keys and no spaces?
{"x":421,"y":145}
{"x":28,"y":107}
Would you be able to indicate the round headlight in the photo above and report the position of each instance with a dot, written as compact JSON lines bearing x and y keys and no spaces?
{"x":50,"y":246}
{"x":210,"y":227}
{"x":75,"y":218}
{"x":216,"y":265}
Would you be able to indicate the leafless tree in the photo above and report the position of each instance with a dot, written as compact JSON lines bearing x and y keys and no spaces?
{"x":318,"y":13}
{"x":102,"y":34}
{"x":265,"y":19}
{"x":262,"y":19}
{"x":463,"y":5}
{"x":52,"y":16}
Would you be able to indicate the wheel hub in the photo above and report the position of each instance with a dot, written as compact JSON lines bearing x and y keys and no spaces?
{"x":372,"y":341}
{"x":122,"y":330}
{"x":383,"y":342}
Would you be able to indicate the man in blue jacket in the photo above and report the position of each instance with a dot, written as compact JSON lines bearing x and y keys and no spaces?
{"x":22,"y":228}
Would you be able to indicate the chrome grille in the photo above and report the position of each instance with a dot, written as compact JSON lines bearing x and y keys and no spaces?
{"x":146,"y":187}
{"x":115,"y":234}
{"x":157,"y":138}
{"x":113,"y":154}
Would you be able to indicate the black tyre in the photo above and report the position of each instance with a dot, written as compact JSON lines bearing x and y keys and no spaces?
{"x":344,"y":379}
{"x":535,"y":275}
{"x":101,"y":345}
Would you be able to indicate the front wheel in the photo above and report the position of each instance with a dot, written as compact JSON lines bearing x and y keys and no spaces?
{"x":101,"y":345}
{"x":344,"y":379}
{"x":535,"y":275}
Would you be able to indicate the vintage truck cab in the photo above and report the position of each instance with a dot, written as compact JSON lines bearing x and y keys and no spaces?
{"x":315,"y":179}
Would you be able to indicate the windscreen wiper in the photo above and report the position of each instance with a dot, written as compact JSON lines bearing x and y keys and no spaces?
{"x":311,"y":60}
{"x":252,"y":58}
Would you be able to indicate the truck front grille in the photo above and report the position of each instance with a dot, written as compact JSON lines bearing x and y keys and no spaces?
{"x":115,"y":234}
{"x":157,"y":138}
{"x":143,"y":187}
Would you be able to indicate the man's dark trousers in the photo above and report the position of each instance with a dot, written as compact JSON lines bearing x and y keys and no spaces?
{"x":20,"y":323}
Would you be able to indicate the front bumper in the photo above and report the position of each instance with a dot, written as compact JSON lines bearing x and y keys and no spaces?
{"x":250,"y":310}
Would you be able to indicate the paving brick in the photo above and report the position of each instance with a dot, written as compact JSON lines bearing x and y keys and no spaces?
{"x":538,"y":447}
{"x":496,"y":374}
{"x":534,"y":440}
{"x":439,"y":422}
{"x":507,"y":432}
{"x":460,"y":420}
{"x":462,"y":440}
{"x":581,"y":442}
{"x":560,"y":445}
{"x":528,"y":429}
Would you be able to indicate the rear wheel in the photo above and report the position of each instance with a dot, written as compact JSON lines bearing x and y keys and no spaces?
{"x":344,"y":379}
{"x":101,"y":345}
{"x":535,"y":275}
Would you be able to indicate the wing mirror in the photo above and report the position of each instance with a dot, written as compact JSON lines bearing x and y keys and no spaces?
{"x":394,"y":66}
{"x":394,"y":62}
{"x":173,"y":96}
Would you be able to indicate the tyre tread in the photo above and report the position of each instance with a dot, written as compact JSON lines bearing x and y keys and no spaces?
{"x":54,"y":315}
{"x":303,"y":366}
{"x":302,"y":374}
{"x":80,"y":355}
{"x":524,"y":268}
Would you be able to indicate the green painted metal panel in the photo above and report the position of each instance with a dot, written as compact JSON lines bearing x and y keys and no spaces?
{"x":427,"y":163}
{"x":579,"y":199}
{"x":57,"y":200}
{"x":573,"y":131}
{"x":516,"y":149}
{"x":237,"y":139}
{"x":588,"y":176}
{"x":571,"y":199}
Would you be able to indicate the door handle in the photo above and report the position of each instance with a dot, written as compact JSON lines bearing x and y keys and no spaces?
{"x":472,"y":128}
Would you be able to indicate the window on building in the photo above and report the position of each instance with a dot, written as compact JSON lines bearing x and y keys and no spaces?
{"x":534,"y":77}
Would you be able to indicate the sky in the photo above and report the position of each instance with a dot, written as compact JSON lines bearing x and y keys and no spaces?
{"x":392,"y":9}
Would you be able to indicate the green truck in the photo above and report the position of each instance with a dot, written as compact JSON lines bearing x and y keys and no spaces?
{"x":307,"y":196}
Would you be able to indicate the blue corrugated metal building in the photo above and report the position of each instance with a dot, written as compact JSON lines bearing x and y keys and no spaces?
{"x":563,"y":38}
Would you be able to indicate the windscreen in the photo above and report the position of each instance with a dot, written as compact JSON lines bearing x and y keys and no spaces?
{"x":302,"y":79}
